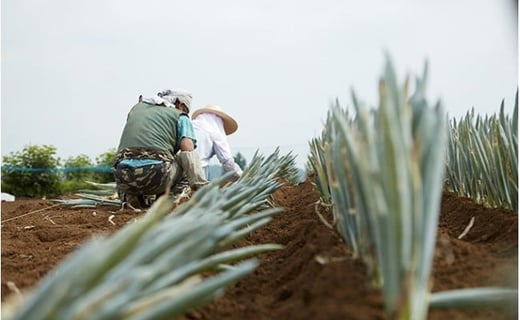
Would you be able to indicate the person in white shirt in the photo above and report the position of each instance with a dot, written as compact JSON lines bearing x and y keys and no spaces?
{"x":212,"y":126}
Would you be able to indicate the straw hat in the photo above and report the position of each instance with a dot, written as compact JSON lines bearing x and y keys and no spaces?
{"x":230,"y":125}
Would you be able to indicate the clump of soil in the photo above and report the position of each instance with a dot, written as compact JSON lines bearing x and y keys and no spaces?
{"x":293,"y":283}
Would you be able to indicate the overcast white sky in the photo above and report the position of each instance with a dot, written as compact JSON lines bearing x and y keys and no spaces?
{"x":71,"y":70}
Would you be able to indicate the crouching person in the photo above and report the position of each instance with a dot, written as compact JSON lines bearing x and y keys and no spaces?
{"x":156,"y":149}
{"x":212,"y":126}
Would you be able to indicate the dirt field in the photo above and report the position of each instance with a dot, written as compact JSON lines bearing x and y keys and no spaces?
{"x":290,"y":283}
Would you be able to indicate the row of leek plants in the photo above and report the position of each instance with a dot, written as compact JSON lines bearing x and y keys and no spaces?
{"x":383,"y":171}
{"x":99,"y":195}
{"x":169,"y":261}
{"x":482,"y":158}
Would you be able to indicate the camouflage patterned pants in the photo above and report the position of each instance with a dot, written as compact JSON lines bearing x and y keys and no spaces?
{"x":146,"y":180}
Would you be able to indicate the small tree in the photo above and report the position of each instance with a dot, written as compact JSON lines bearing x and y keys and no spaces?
{"x":105,"y":161}
{"x":240,"y":160}
{"x":31,"y":172}
{"x":75,"y":168}
{"x":77,"y":172}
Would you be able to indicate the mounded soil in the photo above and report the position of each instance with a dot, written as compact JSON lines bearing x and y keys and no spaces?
{"x":290,"y":283}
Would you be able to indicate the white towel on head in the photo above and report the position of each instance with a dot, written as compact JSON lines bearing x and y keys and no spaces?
{"x":168,"y":98}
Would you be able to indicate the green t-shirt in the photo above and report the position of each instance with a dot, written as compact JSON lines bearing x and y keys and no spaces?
{"x":152,"y":127}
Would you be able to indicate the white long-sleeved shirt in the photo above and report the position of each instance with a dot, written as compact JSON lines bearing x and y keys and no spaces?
{"x":211,"y":141}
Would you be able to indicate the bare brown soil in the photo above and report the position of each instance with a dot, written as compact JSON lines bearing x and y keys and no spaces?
{"x":289,"y":284}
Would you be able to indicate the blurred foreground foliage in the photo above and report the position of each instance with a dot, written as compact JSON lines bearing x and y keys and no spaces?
{"x":145,"y":271}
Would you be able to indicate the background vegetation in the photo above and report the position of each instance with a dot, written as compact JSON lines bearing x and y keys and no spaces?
{"x":37,"y":171}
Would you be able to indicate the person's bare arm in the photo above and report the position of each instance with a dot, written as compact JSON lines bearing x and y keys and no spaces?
{"x":187,"y":144}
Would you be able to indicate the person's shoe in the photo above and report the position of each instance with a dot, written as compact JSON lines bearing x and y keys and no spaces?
{"x":181,"y":195}
{"x":135,"y":202}
{"x":180,"y":185}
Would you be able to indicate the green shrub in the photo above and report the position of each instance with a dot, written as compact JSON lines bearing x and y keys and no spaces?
{"x":77,"y":170}
{"x":105,"y":161}
{"x":240,"y":160}
{"x":32,"y":172}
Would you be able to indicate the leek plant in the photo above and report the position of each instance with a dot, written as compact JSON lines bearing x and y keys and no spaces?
{"x":482,"y":158}
{"x":339,"y":175}
{"x":396,"y":156}
{"x":103,"y":194}
{"x":384,"y":169}
{"x":330,"y":188}
{"x":317,"y":163}
{"x":288,"y":170}
{"x":171,"y":260}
